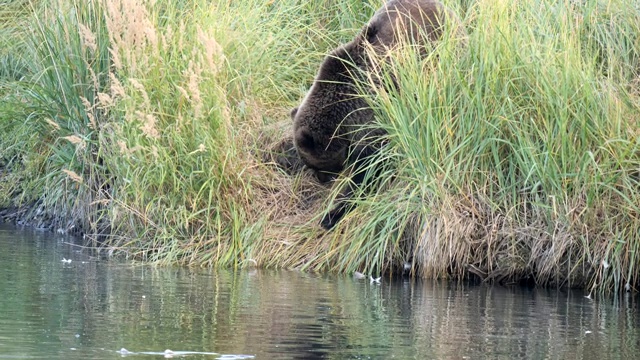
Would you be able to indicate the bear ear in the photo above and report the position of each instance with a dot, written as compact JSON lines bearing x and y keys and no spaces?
{"x":293,"y":113}
{"x":304,"y":140}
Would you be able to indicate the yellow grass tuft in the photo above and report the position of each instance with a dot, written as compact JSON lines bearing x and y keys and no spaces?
{"x":138,"y":86}
{"x":213,"y":51}
{"x":53,"y":124}
{"x":76,"y":140}
{"x":148,"y":126}
{"x":104,"y":100}
{"x":132,"y":33}
{"x":88,"y":37}
{"x":117,"y":90}
{"x":194,"y":77}
{"x":73,"y":176}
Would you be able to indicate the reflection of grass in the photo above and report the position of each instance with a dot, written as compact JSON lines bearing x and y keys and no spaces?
{"x":146,"y":124}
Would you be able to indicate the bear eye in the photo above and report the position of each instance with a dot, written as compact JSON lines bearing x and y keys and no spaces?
{"x":370,"y":33}
{"x":306,"y":141}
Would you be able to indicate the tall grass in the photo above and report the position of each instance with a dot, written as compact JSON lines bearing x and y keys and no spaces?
{"x":50,"y":120}
{"x":196,"y":100}
{"x":520,"y":157}
{"x":146,"y":116}
{"x":144,"y":124}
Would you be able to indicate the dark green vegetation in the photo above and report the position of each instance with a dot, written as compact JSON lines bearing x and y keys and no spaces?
{"x":144,"y":126}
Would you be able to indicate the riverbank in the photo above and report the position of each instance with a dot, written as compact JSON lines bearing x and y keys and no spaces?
{"x":150,"y":128}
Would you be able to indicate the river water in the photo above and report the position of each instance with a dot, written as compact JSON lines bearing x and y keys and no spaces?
{"x":57,"y":301}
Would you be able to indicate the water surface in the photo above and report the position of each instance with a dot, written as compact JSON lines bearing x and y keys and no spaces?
{"x":89,"y":308}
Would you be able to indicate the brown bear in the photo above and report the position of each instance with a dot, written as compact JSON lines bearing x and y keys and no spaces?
{"x":330,"y":128}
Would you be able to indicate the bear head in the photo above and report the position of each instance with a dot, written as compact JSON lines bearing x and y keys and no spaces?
{"x":322,"y":121}
{"x":330,"y":118}
{"x":418,"y":22}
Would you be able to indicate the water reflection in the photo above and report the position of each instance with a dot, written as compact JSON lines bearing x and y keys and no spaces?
{"x":92,"y":309}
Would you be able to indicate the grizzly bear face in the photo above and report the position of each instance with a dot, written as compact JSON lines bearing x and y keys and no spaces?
{"x":325,"y":155}
{"x":323,"y":121}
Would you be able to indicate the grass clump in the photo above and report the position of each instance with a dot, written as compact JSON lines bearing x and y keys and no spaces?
{"x":518,"y":159}
{"x":137,"y":124}
{"x":50,"y":120}
{"x":145,"y":127}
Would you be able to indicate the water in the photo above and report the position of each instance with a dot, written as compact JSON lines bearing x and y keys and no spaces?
{"x":94,"y":309}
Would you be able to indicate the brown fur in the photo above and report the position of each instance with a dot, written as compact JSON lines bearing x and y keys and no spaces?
{"x":327,"y":126}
